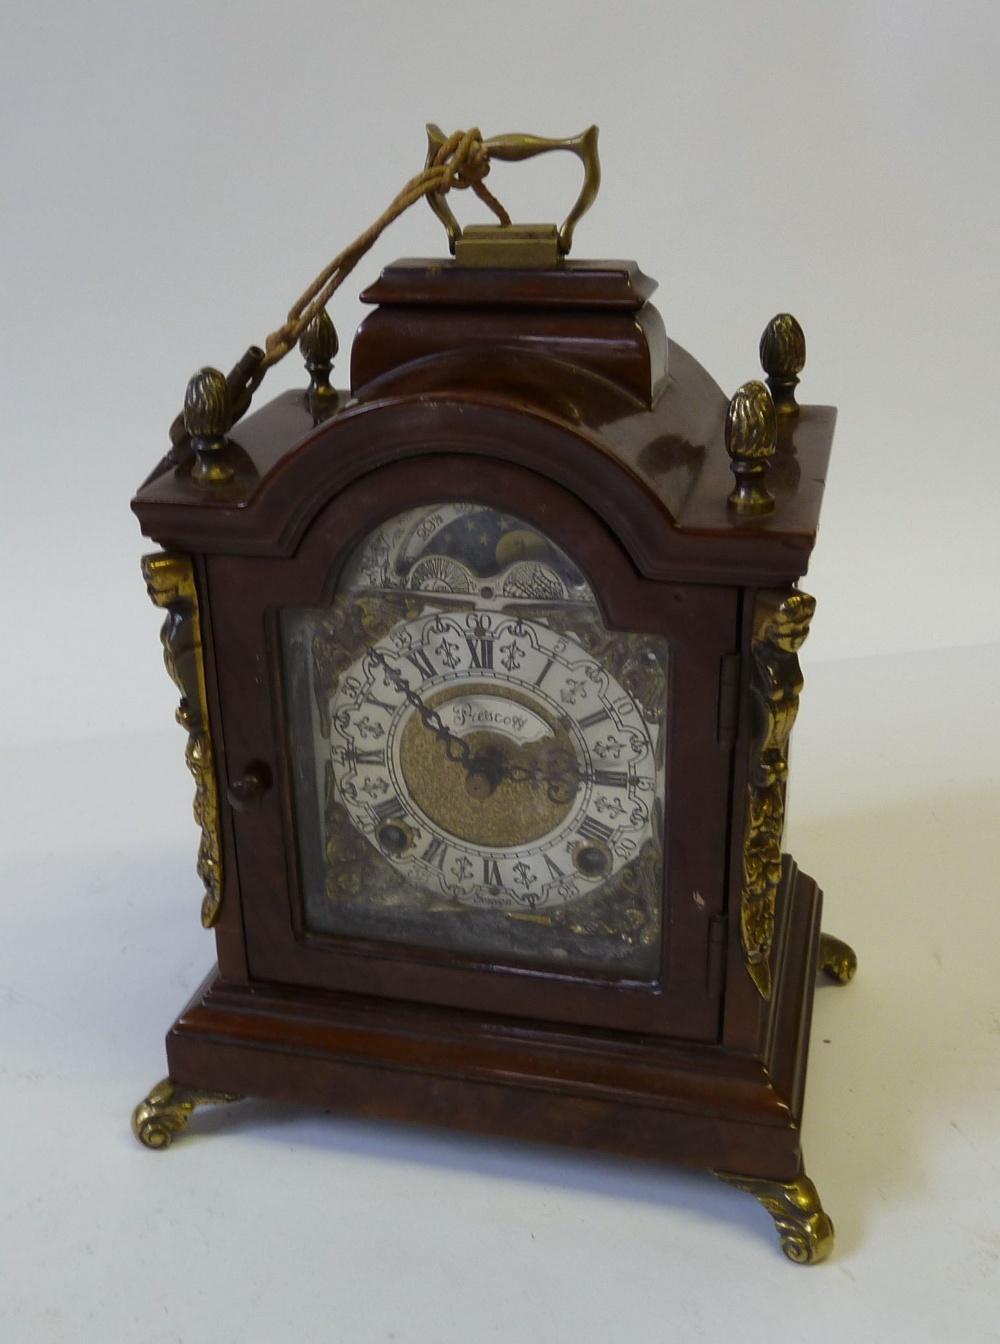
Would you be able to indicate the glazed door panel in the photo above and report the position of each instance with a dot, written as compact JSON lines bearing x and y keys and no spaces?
{"x":497,"y":776}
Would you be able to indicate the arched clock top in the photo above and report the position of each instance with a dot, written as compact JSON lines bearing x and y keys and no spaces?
{"x":496,"y":532}
{"x":659,"y":478}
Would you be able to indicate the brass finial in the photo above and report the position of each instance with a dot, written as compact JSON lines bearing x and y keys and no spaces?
{"x":208,"y":414}
{"x":751,"y":433}
{"x":783,"y":357}
{"x":318,"y":346}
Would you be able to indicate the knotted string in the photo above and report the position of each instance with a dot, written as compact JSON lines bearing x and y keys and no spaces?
{"x":460,"y":163}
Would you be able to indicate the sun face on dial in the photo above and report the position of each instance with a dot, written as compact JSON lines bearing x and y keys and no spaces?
{"x":479,"y":761}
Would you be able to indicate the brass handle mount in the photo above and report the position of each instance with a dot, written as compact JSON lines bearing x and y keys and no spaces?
{"x":514,"y":149}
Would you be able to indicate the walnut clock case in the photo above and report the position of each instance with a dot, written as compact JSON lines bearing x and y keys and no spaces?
{"x":488,"y":667}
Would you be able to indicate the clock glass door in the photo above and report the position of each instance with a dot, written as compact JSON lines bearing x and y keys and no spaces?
{"x":478,"y":762}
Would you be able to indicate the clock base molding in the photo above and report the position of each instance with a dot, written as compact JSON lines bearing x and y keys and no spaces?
{"x":698,"y":1104}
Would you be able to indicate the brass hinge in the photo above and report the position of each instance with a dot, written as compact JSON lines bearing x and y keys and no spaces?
{"x":718,"y":930}
{"x":729,"y":700}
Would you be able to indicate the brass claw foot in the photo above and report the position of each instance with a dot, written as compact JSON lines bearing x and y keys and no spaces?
{"x":167,"y":1110}
{"x":836,"y":959}
{"x":805,"y":1230}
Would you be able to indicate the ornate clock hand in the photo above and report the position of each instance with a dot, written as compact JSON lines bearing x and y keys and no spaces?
{"x":456,"y":749}
{"x":484,"y":769}
{"x":562,"y":779}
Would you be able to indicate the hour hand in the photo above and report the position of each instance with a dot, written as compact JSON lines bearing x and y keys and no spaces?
{"x":554,"y":767}
{"x":557,"y":770}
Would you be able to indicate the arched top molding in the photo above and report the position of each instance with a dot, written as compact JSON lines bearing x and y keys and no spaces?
{"x":448,"y":429}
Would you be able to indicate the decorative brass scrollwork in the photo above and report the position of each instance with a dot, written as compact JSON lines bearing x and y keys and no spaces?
{"x":804,"y":1227}
{"x":167,"y":1109}
{"x":170,"y":583}
{"x":781,"y":624}
{"x":837,"y":959}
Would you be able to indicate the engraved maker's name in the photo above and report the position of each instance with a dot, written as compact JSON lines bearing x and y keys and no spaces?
{"x":494,"y":713}
{"x":467,"y":715}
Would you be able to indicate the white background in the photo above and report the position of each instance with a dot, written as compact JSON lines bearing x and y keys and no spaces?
{"x":171,"y":176}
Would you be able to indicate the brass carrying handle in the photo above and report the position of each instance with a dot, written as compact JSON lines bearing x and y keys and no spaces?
{"x":514,"y":149}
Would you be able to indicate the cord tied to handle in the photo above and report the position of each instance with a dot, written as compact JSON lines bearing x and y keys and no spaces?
{"x":461,"y":162}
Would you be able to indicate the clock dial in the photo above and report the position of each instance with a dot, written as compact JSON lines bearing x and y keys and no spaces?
{"x":479,"y":761}
{"x":511,"y":769}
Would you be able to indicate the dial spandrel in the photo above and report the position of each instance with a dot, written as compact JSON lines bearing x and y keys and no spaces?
{"x":479,"y":762}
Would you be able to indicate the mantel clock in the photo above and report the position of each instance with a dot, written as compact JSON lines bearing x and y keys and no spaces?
{"x":488,"y":667}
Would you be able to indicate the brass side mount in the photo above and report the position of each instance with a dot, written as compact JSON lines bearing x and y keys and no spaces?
{"x":780,"y":626}
{"x":170,"y":583}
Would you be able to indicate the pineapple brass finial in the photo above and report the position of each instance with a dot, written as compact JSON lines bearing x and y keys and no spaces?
{"x":318,"y":346}
{"x":783,"y":357}
{"x":751,"y":435}
{"x":208,"y":414}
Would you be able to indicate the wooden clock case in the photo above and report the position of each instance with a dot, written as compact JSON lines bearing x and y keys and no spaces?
{"x":556,"y":395}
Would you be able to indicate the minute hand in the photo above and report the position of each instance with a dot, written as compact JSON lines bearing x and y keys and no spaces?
{"x":561,"y":780}
{"x":456,"y":749}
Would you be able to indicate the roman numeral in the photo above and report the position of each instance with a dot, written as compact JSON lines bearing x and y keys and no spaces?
{"x":370,"y":757}
{"x":491,"y":873}
{"x":598,"y":716}
{"x":553,"y":867}
{"x":544,"y":672}
{"x":418,"y":657}
{"x":435,"y":853}
{"x":481,"y":651}
{"x":390,"y":809}
{"x":611,"y":779}
{"x":592,"y":829}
